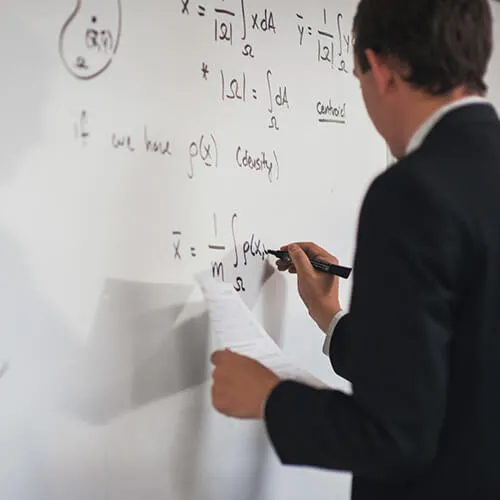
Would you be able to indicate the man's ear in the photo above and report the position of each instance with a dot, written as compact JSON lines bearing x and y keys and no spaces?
{"x":382,"y":73}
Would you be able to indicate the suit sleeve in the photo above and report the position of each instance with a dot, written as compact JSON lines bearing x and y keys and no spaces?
{"x":394,"y":348}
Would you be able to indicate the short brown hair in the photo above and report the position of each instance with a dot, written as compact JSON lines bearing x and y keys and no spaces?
{"x":444,"y":43}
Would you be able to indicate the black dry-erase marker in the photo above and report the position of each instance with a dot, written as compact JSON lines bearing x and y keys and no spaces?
{"x":319,"y":265}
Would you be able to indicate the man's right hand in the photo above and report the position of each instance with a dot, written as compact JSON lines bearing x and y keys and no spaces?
{"x":319,"y":291}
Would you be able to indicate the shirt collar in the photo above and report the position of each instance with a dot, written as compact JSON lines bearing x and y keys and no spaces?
{"x":423,"y":131}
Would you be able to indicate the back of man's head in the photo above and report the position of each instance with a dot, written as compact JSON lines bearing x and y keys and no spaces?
{"x":442,"y":44}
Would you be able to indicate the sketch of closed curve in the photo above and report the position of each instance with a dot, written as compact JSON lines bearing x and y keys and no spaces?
{"x":89,"y":39}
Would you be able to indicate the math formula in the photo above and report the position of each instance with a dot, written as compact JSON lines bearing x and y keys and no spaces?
{"x":251,"y":83}
{"x":224,"y":260}
{"x":234,"y":24}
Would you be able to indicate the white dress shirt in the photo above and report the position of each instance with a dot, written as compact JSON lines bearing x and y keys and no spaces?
{"x":415,"y":143}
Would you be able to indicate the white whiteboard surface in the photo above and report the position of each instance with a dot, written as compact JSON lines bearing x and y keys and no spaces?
{"x":104,"y":348}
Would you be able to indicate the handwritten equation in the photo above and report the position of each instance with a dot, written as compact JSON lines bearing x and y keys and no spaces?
{"x":235,"y":257}
{"x":236,"y":88}
{"x":227,"y":20}
{"x":333,"y":43}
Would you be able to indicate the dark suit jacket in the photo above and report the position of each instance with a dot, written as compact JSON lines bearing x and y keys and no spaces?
{"x":421,"y":344}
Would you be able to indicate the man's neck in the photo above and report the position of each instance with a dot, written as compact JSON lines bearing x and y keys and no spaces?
{"x":423,"y":107}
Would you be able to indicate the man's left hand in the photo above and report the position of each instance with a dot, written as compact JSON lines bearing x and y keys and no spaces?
{"x":241,"y":385}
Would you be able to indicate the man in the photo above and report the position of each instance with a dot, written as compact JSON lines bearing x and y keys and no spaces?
{"x":421,"y":344}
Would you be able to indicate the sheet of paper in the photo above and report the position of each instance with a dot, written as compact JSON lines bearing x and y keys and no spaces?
{"x":236,"y":329}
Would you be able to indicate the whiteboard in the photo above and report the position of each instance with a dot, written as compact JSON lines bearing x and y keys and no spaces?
{"x":144,"y":142}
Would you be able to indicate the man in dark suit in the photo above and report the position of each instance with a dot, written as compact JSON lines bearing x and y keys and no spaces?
{"x":421,"y":344}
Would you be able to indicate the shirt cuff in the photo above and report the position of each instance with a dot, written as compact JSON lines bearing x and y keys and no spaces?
{"x":331,"y":329}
